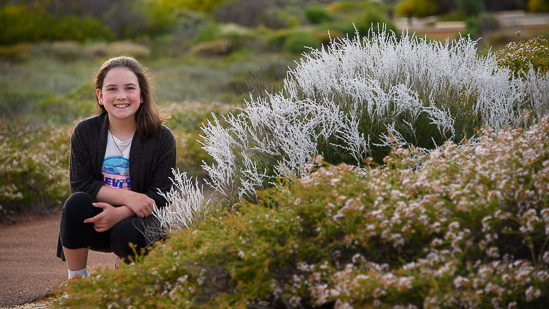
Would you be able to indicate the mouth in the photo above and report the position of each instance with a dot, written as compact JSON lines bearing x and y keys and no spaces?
{"x":121,"y":105}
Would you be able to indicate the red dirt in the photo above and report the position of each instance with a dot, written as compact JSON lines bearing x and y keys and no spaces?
{"x":29,"y":269}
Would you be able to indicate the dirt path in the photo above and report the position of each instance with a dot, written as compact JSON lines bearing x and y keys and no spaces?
{"x":29,"y":268}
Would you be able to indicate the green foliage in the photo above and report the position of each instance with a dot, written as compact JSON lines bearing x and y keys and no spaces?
{"x":207,"y":32}
{"x":518,"y":56}
{"x":299,"y":42}
{"x":417,"y":8}
{"x":471,"y":7}
{"x":14,"y":103}
{"x":33,"y":167}
{"x":159,"y":19}
{"x":185,"y":120}
{"x":460,"y":227}
{"x":351,"y":11}
{"x":456,"y":15}
{"x":317,"y":14}
{"x":22,"y":24}
{"x":538,"y":6}
{"x":205,"y":6}
{"x":481,"y":24}
{"x":375,"y":21}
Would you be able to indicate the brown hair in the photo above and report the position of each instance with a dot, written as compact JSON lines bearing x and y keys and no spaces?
{"x":147,"y":117}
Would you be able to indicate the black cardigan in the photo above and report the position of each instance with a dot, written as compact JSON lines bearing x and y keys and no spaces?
{"x":151,"y":160}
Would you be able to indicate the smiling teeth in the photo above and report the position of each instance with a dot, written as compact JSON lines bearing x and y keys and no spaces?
{"x":121,"y":105}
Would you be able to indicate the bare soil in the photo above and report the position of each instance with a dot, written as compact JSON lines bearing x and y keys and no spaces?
{"x":29,"y":269}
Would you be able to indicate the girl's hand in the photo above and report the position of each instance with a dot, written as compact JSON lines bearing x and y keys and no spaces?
{"x":107,"y":218}
{"x":140,"y":204}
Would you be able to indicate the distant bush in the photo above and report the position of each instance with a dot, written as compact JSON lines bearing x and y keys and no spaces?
{"x":317,"y":14}
{"x":416,"y":8}
{"x":481,"y":25}
{"x":204,"y":6}
{"x":16,"y":53}
{"x":518,"y":56}
{"x":538,"y":6}
{"x":22,"y":24}
{"x":62,"y":50}
{"x":372,"y":20}
{"x":455,"y":15}
{"x":211,"y":49}
{"x":375,"y":21}
{"x":15,"y":103}
{"x":185,"y":120}
{"x":252,"y":13}
{"x":33,"y":167}
{"x":300,"y":42}
{"x":462,"y":227}
{"x":113,"y":49}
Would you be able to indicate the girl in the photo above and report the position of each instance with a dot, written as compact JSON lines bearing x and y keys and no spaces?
{"x":119,"y":160}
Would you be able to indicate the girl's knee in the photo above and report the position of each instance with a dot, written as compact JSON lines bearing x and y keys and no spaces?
{"x":128,"y":239}
{"x":78,"y":204}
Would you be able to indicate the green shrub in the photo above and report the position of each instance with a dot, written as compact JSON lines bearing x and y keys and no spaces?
{"x":417,"y":8}
{"x":185,"y":120}
{"x":299,"y":42}
{"x":317,"y":14}
{"x":460,"y":227}
{"x":22,"y":24}
{"x":455,"y":15}
{"x":481,"y":24}
{"x":538,"y":6}
{"x":33,"y":167}
{"x":471,"y":7}
{"x":375,"y":21}
{"x":351,"y":11}
{"x":518,"y":56}
{"x":16,"y":103}
{"x":206,"y":32}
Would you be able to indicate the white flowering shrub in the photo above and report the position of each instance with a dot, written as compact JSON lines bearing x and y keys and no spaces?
{"x":358,"y":97}
{"x":184,"y":203}
{"x":468,"y":228}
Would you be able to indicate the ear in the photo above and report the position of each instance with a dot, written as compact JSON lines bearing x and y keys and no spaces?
{"x":99,"y":95}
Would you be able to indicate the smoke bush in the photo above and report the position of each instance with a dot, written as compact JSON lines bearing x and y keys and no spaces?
{"x":355,"y":97}
{"x":185,"y":201}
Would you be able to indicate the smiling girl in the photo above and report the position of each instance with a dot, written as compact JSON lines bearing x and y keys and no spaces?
{"x":119,"y":160}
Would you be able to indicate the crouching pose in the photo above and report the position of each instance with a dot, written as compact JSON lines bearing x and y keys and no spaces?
{"x":119,"y":160}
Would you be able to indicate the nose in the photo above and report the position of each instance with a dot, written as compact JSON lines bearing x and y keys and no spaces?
{"x":121,"y":95}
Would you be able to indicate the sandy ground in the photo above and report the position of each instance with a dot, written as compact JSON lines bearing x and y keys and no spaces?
{"x":29,"y":269}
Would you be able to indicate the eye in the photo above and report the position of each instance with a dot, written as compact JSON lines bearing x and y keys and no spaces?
{"x":111,"y":89}
{"x":130,"y":88}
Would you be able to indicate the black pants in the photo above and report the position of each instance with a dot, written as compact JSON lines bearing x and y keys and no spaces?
{"x":75,"y":234}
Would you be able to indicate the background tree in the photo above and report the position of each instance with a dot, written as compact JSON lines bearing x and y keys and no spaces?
{"x":416,"y":8}
{"x":471,"y":7}
{"x":538,"y":5}
{"x":503,"y":5}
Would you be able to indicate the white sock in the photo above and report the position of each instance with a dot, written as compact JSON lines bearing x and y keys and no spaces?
{"x":82,"y":273}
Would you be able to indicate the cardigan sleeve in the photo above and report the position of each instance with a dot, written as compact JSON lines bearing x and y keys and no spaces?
{"x":81,"y":170}
{"x":161,"y":173}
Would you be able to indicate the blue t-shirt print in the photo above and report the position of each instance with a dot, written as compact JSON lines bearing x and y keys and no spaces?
{"x":116,"y":172}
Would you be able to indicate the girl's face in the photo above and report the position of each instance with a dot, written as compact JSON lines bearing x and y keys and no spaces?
{"x":120,"y":95}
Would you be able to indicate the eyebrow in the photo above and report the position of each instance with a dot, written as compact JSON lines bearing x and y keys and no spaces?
{"x":114,"y":85}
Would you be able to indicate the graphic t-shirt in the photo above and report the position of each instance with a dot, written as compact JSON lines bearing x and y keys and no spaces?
{"x":116,"y":167}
